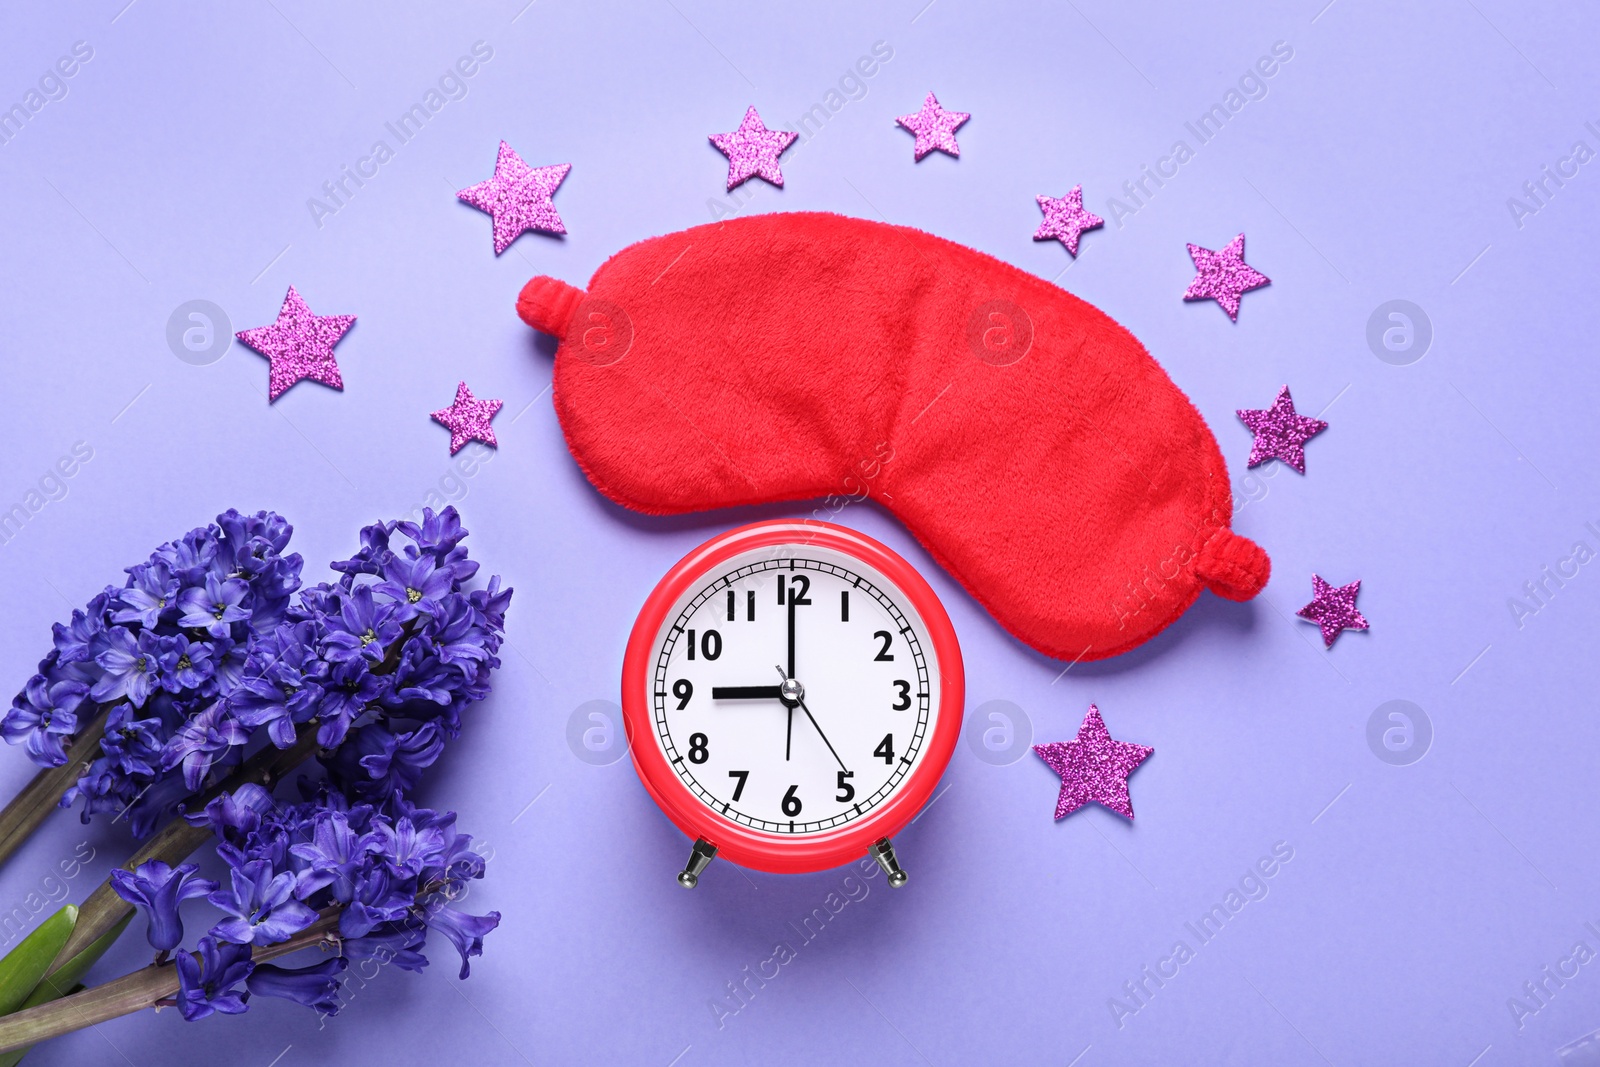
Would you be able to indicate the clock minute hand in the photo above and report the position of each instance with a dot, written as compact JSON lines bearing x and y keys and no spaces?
{"x":745,"y":692}
{"x":802,"y":702}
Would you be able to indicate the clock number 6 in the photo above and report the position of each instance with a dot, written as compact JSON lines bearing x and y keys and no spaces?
{"x":847,"y":792}
{"x":791,"y":803}
{"x":905,"y":695}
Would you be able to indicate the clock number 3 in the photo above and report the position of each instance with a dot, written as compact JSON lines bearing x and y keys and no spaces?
{"x":905,"y":695}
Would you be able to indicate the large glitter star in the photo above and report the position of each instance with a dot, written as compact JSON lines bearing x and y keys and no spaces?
{"x":518,"y":197}
{"x":1223,"y":276}
{"x":468,"y":419}
{"x":1280,"y":433}
{"x":753,"y":150}
{"x":1093,"y":767}
{"x":935,"y":128}
{"x":1066,"y":219}
{"x":1333,"y":609}
{"x":298,"y":345}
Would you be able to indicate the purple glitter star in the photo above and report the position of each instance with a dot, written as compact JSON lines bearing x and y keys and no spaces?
{"x":935,"y":128}
{"x":1280,"y":433}
{"x":468,"y":419}
{"x":298,"y":345}
{"x":753,"y":150}
{"x":518,"y":197}
{"x":1223,"y":276}
{"x":1093,"y":767}
{"x":1066,"y":219}
{"x":1333,"y":609}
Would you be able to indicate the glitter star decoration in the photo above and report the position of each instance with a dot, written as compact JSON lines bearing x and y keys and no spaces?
{"x":1280,"y":433}
{"x":1333,"y":609}
{"x":1066,"y":219}
{"x":1223,"y":276}
{"x":753,"y":150}
{"x":1093,"y":767}
{"x":468,"y":419}
{"x":518,"y":197}
{"x":935,"y":128}
{"x":298,"y":345}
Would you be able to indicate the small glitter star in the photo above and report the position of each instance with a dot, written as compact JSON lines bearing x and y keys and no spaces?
{"x":935,"y":128}
{"x":1093,"y":767}
{"x":1333,"y":609}
{"x":1066,"y":219}
{"x":468,"y":419}
{"x":518,"y":197}
{"x":1223,"y":276}
{"x":298,"y":345}
{"x":753,"y":150}
{"x":1280,"y":433}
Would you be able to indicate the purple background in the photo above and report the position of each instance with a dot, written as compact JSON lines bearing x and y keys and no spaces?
{"x":1377,"y":166}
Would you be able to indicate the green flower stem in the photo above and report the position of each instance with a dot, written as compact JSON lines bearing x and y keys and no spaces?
{"x":132,"y":992}
{"x":29,"y":808}
{"x":175,"y":841}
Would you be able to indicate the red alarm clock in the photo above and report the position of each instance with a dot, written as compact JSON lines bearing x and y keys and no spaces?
{"x":793,"y":692}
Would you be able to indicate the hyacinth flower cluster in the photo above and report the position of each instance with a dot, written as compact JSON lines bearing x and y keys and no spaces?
{"x":142,"y":662}
{"x":371,"y":672}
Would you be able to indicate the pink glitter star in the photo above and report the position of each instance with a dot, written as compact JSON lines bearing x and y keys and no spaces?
{"x":518,"y":197}
{"x":1333,"y":609}
{"x":1280,"y":433}
{"x":935,"y":128}
{"x":1066,"y":219}
{"x":468,"y":419}
{"x":753,"y":150}
{"x":1093,"y":767}
{"x":1223,"y":276}
{"x":298,"y":345}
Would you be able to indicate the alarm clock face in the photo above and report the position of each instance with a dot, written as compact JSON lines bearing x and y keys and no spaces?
{"x":795,"y":691}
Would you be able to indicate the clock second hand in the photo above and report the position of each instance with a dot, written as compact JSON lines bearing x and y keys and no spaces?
{"x":801,"y":701}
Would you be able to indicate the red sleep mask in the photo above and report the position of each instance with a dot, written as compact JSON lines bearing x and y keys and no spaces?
{"x":1027,"y":440}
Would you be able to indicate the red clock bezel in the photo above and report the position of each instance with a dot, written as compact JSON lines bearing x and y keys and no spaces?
{"x":740,"y":844}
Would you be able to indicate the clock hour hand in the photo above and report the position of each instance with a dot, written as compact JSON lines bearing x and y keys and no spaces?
{"x":801,"y":701}
{"x":745,"y":692}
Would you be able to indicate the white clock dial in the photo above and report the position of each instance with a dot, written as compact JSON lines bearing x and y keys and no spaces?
{"x":802,"y":746}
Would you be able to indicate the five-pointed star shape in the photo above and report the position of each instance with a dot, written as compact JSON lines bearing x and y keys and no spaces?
{"x":518,"y":197}
{"x":298,"y":345}
{"x":1333,"y":609}
{"x":468,"y":419}
{"x":1223,"y":276}
{"x":1066,"y":218}
{"x":1279,"y":432}
{"x":935,"y":128}
{"x":753,"y":150}
{"x":1093,"y":767}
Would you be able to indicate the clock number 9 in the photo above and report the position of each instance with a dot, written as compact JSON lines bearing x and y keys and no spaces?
{"x":699,"y":751}
{"x":791,"y":803}
{"x":905,"y":695}
{"x":683,"y":689}
{"x":710,"y":644}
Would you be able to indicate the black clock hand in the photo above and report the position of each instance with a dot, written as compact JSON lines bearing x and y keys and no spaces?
{"x":801,"y":701}
{"x":745,"y":692}
{"x":788,"y":737}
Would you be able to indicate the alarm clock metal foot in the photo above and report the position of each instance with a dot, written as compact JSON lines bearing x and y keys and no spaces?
{"x":883,"y":852}
{"x":699,"y":859}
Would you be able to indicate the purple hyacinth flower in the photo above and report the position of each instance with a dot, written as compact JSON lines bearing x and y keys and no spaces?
{"x":157,"y":889}
{"x":201,"y":741}
{"x":333,"y":857}
{"x":233,"y":816}
{"x":44,"y":715}
{"x":210,"y":983}
{"x":416,"y":585}
{"x":214,"y":606}
{"x":378,"y":899}
{"x":74,"y":640}
{"x":262,"y":906}
{"x":399,"y":943}
{"x":151,"y":590}
{"x":362,"y":629}
{"x":407,"y":848}
{"x":316,"y":986}
{"x":185,"y":664}
{"x":466,"y":932}
{"x":131,"y":666}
